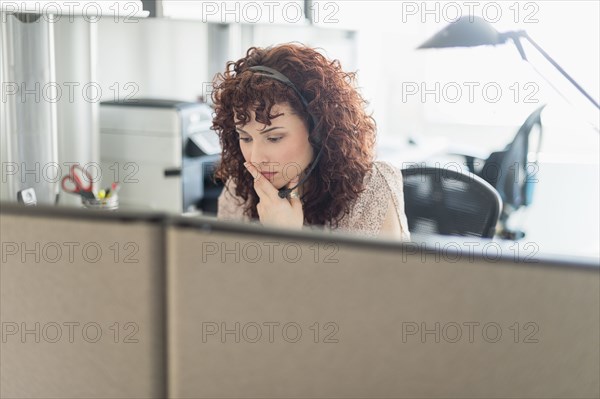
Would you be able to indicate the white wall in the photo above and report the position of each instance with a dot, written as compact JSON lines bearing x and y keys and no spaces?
{"x":156,"y":57}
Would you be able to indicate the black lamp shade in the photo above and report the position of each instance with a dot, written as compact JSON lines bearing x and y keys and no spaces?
{"x":472,"y":31}
{"x":467,"y":31}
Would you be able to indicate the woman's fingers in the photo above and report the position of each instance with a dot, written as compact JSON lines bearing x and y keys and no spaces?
{"x":262,"y":185}
{"x":295,"y":195}
{"x":272,"y":210}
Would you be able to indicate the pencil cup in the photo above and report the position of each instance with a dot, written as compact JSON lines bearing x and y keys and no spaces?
{"x":106,"y":204}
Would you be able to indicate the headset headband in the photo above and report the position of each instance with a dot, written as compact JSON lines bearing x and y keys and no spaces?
{"x":273,"y":74}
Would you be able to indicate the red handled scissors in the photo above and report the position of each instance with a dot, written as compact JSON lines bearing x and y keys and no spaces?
{"x":78,"y":182}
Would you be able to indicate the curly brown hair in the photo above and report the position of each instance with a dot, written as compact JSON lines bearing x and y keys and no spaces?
{"x":344,"y":130}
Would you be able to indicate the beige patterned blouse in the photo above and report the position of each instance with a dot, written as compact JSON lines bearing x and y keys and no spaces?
{"x":367,"y":213}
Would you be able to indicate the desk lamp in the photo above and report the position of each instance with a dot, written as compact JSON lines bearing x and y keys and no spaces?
{"x":472,"y":31}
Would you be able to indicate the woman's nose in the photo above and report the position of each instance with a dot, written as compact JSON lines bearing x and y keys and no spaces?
{"x":258,"y":155}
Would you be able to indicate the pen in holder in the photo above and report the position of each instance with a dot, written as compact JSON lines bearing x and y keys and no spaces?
{"x":109,"y":203}
{"x":105,"y":200}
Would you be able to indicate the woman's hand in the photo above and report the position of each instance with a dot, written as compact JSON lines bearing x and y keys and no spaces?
{"x":273,"y":210}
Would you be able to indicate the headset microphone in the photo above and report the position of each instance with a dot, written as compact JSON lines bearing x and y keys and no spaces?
{"x":284,"y":192}
{"x":273,"y":74}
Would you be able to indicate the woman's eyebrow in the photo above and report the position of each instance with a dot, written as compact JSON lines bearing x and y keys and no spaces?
{"x":263,"y":132}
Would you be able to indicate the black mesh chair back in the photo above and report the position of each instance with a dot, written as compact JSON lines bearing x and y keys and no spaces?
{"x":510,"y":171}
{"x":447,"y":202}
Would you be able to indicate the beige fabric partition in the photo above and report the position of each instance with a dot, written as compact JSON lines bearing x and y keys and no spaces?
{"x":236,"y":315}
{"x":205,"y":309}
{"x":81,"y":307}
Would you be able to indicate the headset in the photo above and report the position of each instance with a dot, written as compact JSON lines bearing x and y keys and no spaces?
{"x":273,"y":74}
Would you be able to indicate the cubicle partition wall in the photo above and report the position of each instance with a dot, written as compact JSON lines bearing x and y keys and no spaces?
{"x":81,"y":306}
{"x":221,"y":309}
{"x":288,"y":315}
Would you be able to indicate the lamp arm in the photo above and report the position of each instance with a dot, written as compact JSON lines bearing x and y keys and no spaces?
{"x":558,"y":67}
{"x":520,"y":48}
{"x":516,"y":38}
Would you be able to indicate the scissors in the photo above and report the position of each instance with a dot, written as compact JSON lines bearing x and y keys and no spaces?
{"x":78,"y":182}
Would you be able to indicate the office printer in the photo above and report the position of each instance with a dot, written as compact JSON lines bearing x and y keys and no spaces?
{"x":162,"y":152}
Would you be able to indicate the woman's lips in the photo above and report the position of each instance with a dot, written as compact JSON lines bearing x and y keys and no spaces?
{"x":268,"y":175}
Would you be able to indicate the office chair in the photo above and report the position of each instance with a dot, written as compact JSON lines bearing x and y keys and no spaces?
{"x":447,"y":202}
{"x":209,"y":204}
{"x":512,"y":170}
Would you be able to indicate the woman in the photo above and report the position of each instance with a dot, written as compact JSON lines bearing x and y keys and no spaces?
{"x":298,"y":147}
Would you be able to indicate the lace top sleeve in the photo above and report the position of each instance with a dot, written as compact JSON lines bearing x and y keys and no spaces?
{"x":369,"y":210}
{"x":230,"y":206}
